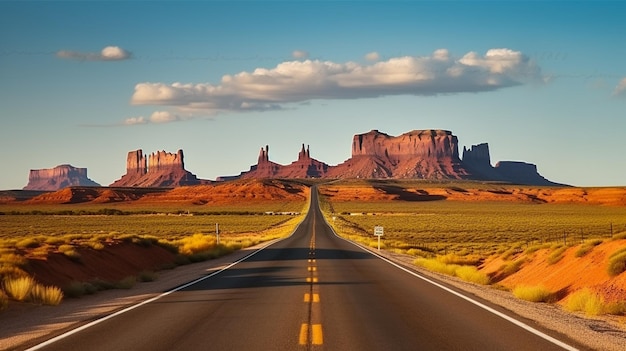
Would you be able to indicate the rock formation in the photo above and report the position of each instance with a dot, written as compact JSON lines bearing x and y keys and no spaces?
{"x":304,"y":167}
{"x":477,"y":161}
{"x":419,"y":154}
{"x":57,"y":178}
{"x":159,"y":170}
{"x":423,"y":154}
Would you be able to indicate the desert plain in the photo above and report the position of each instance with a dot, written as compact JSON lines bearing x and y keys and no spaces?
{"x":559,"y":247}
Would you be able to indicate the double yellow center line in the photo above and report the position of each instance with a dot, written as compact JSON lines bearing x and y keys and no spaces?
{"x":311,"y":332}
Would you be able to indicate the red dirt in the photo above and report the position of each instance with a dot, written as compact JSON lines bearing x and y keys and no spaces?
{"x":113,"y":263}
{"x":569,"y":274}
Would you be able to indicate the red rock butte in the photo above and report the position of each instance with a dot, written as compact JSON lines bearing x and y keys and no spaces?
{"x":57,"y":178}
{"x":159,"y":169}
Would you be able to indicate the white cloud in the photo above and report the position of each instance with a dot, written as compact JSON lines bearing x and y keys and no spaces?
{"x":303,"y":81}
{"x":157,"y":117}
{"x":109,"y":53}
{"x":620,"y":89}
{"x":164,"y":117}
{"x":372,"y":56}
{"x":135,"y":120}
{"x":299,"y":54}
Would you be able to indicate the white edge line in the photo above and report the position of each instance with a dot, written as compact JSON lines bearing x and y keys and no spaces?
{"x":468,"y":299}
{"x":130,"y":308}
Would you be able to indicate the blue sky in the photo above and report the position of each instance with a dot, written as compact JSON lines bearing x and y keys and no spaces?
{"x":85,"y":82}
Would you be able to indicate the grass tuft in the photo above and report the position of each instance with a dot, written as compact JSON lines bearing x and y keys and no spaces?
{"x":466,"y":273}
{"x":46,"y":295}
{"x":617,"y":263}
{"x":126,"y":283}
{"x":556,"y":255}
{"x":19,"y":288}
{"x":585,"y":300}
{"x":533,"y":293}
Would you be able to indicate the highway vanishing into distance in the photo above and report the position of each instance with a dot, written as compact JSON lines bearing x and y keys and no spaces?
{"x":311,"y":291}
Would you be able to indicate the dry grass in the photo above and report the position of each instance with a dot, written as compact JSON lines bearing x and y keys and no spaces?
{"x":617,"y":262}
{"x":19,"y":288}
{"x":466,"y":273}
{"x":533,"y":293}
{"x":46,"y":295}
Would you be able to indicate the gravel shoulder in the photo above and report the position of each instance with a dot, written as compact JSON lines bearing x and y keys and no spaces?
{"x":25,"y":325}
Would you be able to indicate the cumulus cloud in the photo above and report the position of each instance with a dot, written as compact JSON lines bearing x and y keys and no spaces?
{"x":109,"y":53}
{"x":620,"y":89}
{"x":300,"y":54}
{"x":157,"y":117}
{"x":303,"y":81}
{"x":372,"y":56}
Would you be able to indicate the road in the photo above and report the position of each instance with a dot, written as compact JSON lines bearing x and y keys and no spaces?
{"x":311,"y":291}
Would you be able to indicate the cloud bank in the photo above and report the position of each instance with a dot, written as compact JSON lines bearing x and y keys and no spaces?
{"x":303,"y":81}
{"x":109,"y":53}
{"x":620,"y":89}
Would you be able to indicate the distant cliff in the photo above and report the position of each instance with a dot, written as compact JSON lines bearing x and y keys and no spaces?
{"x":159,"y":170}
{"x":57,"y":178}
{"x":419,"y":154}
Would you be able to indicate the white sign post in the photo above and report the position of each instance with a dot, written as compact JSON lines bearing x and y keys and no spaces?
{"x":378,"y":231}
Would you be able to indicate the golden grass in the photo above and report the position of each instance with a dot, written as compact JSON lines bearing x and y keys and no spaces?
{"x":19,"y":288}
{"x":617,"y":262}
{"x":466,"y":273}
{"x":46,"y":295}
{"x":533,"y":293}
{"x":587,"y":301}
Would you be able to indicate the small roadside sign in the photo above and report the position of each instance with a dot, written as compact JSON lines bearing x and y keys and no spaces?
{"x":378,"y":230}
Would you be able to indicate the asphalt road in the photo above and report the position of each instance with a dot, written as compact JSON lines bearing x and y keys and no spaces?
{"x":311,"y":291}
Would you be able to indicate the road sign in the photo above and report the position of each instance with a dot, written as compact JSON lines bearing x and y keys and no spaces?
{"x":378,"y":230}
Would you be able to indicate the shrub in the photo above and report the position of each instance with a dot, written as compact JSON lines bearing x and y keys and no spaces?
{"x":556,"y":255}
{"x":511,"y":267}
{"x":74,"y":289}
{"x":70,"y":252}
{"x":533,"y":293}
{"x":466,"y":260}
{"x":617,"y":263}
{"x":13,"y":259}
{"x":28,"y":243}
{"x":46,"y":295}
{"x":587,"y":247}
{"x":147,"y":276}
{"x":19,"y":288}
{"x":472,"y":274}
{"x":435,"y":266}
{"x":196,"y":243}
{"x":126,"y":283}
{"x":585,"y":300}
{"x":619,"y":236}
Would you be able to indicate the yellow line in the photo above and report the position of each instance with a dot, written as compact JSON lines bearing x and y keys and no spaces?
{"x":307,"y":297}
{"x":317,"y":338}
{"x":304,"y":333}
{"x":312,"y":269}
{"x":311,"y":280}
{"x":316,"y":297}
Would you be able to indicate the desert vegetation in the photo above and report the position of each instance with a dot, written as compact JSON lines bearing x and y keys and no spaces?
{"x":37,"y":232}
{"x":486,"y":241}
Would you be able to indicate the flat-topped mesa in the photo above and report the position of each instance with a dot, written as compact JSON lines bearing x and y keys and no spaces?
{"x":420,"y":154}
{"x":158,"y":170}
{"x":418,"y":143}
{"x":59,"y":177}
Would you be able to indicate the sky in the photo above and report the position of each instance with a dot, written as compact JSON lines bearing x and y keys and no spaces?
{"x":84,"y":83}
